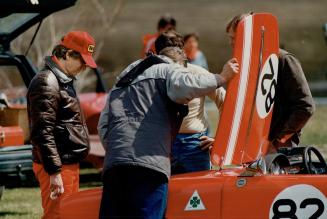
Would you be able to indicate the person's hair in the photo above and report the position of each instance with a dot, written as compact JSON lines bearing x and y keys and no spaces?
{"x":188,"y":36}
{"x":166,"y":20}
{"x":168,"y":39}
{"x":232,"y":24}
{"x":176,"y":54}
{"x":61,"y":52}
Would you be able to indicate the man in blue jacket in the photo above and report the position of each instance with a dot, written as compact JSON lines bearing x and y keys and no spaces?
{"x":142,"y":115}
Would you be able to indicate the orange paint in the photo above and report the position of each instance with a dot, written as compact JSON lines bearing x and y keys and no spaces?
{"x":221,"y":193}
{"x":242,"y":133}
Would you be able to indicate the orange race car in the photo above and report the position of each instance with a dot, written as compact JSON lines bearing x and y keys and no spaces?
{"x":248,"y":184}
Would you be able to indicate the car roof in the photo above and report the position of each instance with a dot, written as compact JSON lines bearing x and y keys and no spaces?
{"x":16,"y":16}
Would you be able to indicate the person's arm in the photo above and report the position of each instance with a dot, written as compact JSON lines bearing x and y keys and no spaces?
{"x":43,"y":98}
{"x":218,"y":97}
{"x":298,"y":95}
{"x":103,"y":124}
{"x":183,"y":86}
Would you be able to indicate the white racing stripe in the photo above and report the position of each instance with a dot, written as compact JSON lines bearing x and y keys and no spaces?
{"x":243,"y":83}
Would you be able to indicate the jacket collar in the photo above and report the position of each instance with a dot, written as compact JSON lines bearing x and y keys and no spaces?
{"x":166,"y":58}
{"x":62,"y":77}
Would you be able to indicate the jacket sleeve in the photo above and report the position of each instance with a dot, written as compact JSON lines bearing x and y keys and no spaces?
{"x":298,"y":96}
{"x":183,"y":86}
{"x":103,"y":124}
{"x":43,"y":101}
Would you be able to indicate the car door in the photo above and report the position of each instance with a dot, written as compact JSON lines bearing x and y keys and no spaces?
{"x":280,"y":196}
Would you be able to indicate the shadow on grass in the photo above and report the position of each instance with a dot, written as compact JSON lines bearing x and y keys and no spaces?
{"x":90,"y":178}
{"x":11,"y":213}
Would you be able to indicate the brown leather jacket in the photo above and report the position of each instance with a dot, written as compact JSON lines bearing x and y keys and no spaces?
{"x":294,"y":104}
{"x":58,"y":131}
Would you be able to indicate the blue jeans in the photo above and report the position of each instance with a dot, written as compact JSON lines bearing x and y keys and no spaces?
{"x":131,"y":192}
{"x":187,"y":155}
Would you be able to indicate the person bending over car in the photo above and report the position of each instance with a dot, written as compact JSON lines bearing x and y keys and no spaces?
{"x":143,"y":114}
{"x":58,"y":130}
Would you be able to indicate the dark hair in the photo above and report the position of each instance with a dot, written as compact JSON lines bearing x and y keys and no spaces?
{"x":60,"y":51}
{"x":232,"y":24}
{"x":166,"y":20}
{"x":168,"y":39}
{"x":188,"y":36}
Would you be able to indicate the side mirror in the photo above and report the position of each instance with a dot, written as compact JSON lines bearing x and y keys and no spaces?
{"x":256,"y":168}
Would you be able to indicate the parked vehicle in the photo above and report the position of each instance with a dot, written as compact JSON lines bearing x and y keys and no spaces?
{"x":16,"y":72}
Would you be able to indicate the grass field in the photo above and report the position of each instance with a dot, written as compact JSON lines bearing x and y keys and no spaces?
{"x":25,"y":203}
{"x":315,"y":131}
{"x":20,"y":203}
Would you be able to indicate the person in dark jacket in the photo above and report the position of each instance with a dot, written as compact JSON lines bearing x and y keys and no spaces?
{"x":58,"y":130}
{"x":142,"y":116}
{"x":294,"y":104}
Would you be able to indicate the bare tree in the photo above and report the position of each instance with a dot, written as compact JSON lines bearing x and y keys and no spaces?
{"x":107,"y":23}
{"x":51,"y":32}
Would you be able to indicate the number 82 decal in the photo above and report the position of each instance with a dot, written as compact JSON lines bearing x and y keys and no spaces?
{"x":267,"y":83}
{"x":299,"y":202}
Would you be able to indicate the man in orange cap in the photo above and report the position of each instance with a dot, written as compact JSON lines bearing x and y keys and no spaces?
{"x":58,"y":130}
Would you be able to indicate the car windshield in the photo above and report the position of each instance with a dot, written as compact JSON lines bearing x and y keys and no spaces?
{"x":13,"y":21}
{"x":12,"y":85}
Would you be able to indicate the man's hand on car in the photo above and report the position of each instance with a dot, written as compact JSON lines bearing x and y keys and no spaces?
{"x":230,"y":69}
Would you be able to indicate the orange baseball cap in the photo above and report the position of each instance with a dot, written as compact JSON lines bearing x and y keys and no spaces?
{"x":81,"y":42}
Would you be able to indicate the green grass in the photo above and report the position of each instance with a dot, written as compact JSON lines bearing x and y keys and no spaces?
{"x":20,"y":203}
{"x":25,"y":203}
{"x":315,"y":131}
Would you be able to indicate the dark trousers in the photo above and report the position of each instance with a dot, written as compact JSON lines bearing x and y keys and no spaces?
{"x":133,"y":192}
